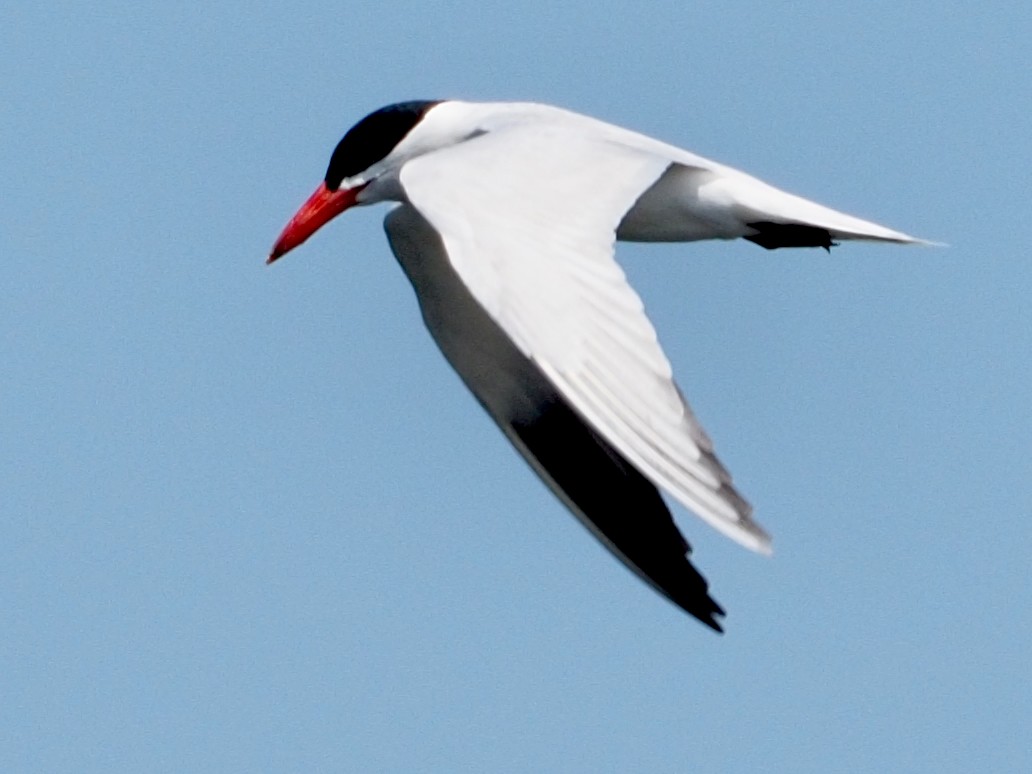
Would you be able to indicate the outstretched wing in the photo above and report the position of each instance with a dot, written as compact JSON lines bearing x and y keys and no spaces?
{"x":527,"y":218}
{"x":602,"y":489}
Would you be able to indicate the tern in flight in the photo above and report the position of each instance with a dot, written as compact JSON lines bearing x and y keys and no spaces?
{"x":507,"y":219}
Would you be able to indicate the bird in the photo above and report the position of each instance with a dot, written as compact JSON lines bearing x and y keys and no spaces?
{"x":505,"y":221}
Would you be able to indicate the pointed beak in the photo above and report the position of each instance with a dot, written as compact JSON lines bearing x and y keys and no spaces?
{"x":322,"y":207}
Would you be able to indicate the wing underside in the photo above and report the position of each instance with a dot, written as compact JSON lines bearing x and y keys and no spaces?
{"x":605,"y":492}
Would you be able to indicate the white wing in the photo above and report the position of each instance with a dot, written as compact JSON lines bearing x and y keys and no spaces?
{"x":528,"y":216}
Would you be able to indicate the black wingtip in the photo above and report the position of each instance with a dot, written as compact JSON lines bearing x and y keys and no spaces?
{"x":709,"y":621}
{"x":617,"y":503}
{"x":703,"y":608}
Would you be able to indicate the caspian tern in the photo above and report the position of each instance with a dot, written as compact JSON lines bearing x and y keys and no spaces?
{"x":506,"y":226}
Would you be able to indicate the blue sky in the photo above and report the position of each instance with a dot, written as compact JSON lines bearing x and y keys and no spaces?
{"x":251,"y":521}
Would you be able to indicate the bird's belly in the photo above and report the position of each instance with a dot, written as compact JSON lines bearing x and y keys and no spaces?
{"x":676,"y":209}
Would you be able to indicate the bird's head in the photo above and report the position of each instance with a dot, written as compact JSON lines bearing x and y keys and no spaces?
{"x":378,"y":144}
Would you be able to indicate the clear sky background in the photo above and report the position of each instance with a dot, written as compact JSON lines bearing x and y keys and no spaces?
{"x":251,"y":521}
